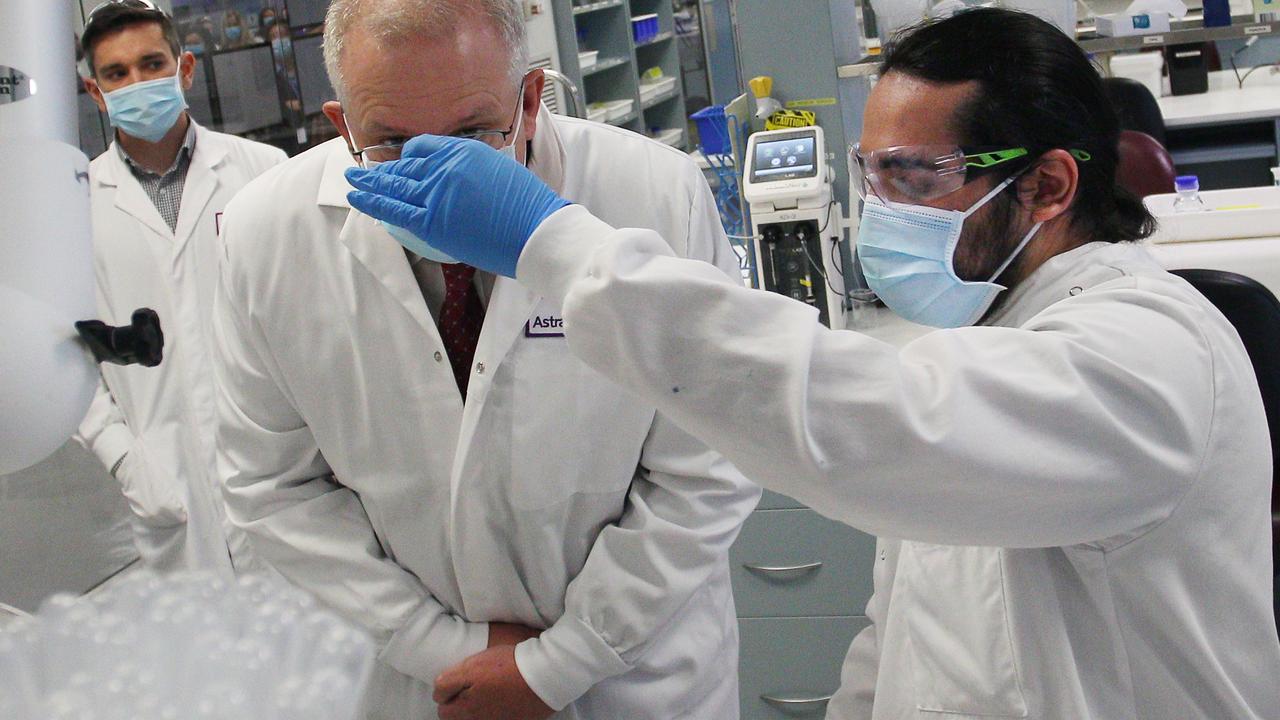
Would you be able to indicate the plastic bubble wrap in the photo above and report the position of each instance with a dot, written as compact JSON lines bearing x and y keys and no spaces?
{"x":189,"y":647}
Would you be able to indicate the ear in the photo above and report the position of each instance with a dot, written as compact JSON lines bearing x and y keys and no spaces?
{"x":1049,"y":188}
{"x":534,"y":83}
{"x":333,"y":110}
{"x":95,"y":92}
{"x":187,"y":69}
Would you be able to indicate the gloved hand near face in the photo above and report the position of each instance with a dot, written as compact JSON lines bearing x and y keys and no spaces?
{"x":460,"y":197}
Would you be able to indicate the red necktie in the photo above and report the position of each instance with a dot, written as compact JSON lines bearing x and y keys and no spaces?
{"x":461,"y":316}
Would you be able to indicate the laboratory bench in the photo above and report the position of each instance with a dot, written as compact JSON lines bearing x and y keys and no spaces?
{"x":1257,"y":258}
{"x":1229,"y":137}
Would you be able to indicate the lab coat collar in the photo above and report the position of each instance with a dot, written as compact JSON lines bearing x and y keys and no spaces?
{"x":202,"y":184}
{"x":1060,"y":277}
{"x":188,"y":147}
{"x":131,"y":199}
{"x":333,"y":183}
{"x":547,"y":158}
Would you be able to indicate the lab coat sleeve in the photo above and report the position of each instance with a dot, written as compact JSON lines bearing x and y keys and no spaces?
{"x":103,"y":430}
{"x":153,"y":497}
{"x":1071,"y":431}
{"x":302,"y":520}
{"x":707,"y":239}
{"x":682,"y":515}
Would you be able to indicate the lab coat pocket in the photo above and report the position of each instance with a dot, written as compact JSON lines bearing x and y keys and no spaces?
{"x":152,"y":495}
{"x":962,"y":657}
{"x":573,"y":433}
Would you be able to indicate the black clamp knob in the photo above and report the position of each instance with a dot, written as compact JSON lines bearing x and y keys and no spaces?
{"x":139,"y":343}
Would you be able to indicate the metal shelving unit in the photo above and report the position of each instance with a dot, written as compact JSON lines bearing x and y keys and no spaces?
{"x":1185,"y":31}
{"x":606,"y":27}
{"x":593,"y":7}
{"x":659,"y":38}
{"x":602,"y":65}
{"x":1188,"y":30}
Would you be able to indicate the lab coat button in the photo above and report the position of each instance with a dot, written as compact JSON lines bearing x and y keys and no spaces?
{"x":480,"y":368}
{"x":1075,"y":291}
{"x":439,"y":356}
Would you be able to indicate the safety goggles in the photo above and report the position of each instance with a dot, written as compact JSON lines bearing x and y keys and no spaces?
{"x":915,"y":174}
{"x":372,"y":155}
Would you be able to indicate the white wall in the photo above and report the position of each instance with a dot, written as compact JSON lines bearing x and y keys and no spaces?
{"x":64,"y":527}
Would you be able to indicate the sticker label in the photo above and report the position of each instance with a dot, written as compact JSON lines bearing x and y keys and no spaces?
{"x":545,"y":322}
{"x":786,"y":119}
{"x":15,"y":85}
{"x":812,"y":102}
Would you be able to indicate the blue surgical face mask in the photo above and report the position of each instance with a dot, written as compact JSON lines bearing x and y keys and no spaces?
{"x":416,"y":245}
{"x":196,"y":50}
{"x":233,"y":33}
{"x":908,"y":256}
{"x":268,"y":21}
{"x":146,"y":110}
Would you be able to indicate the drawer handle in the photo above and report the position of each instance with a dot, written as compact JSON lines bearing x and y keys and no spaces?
{"x":784,"y":569}
{"x":792,"y":702}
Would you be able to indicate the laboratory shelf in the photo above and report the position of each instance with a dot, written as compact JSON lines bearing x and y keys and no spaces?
{"x":1188,"y":31}
{"x":1224,"y":153}
{"x":593,"y":7}
{"x":659,"y":99}
{"x":624,"y":119}
{"x":579,"y":28}
{"x":603,"y":65}
{"x":655,"y":40}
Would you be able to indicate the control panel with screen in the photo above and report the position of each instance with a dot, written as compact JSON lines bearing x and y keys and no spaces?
{"x":785,"y":159}
{"x":786,"y":169}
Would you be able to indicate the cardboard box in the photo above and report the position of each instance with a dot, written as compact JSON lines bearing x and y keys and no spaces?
{"x":1120,"y":24}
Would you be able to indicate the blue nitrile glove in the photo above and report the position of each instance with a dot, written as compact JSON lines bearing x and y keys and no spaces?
{"x":460,"y":196}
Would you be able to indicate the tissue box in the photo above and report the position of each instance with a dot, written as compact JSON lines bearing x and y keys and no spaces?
{"x":1121,"y":24}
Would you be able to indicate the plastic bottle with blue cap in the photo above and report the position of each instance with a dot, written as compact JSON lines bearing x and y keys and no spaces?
{"x":1188,"y":187}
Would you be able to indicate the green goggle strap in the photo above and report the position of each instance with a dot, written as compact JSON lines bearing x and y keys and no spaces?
{"x":992,"y":158}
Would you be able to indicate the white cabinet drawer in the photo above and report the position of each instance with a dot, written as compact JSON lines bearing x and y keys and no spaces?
{"x":796,"y":563}
{"x":788,"y":666}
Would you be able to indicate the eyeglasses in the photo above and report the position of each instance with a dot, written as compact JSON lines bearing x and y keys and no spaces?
{"x":371,"y":155}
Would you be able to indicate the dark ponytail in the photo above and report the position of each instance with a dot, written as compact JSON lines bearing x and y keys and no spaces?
{"x":1037,"y":89}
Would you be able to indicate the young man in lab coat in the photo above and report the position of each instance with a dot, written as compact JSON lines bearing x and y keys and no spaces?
{"x":157,"y":196}
{"x":1073,"y":496}
{"x":412,"y":441}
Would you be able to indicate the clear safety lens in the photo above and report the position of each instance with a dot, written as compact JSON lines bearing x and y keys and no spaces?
{"x":908,"y":174}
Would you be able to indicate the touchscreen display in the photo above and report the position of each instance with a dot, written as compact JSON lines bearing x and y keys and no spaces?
{"x":784,"y":159}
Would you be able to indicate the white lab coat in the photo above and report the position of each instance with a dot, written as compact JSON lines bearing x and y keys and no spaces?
{"x":161,"y":420}
{"x":552,"y":499}
{"x":1082,"y":490}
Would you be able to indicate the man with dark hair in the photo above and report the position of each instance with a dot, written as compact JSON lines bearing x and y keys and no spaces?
{"x":1073,"y":496}
{"x":157,"y":196}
